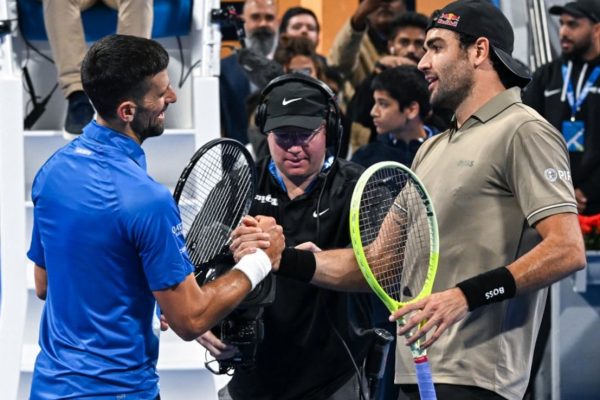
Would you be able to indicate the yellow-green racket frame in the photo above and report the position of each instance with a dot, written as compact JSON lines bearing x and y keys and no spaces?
{"x":357,"y":244}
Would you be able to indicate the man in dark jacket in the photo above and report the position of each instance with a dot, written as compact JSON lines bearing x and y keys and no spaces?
{"x":260,"y":25}
{"x":566,"y":92}
{"x":308,"y":191}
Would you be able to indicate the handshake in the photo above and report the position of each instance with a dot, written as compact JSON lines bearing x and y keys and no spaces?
{"x":255,"y":233}
{"x":254,"y":236}
{"x":262,"y":234}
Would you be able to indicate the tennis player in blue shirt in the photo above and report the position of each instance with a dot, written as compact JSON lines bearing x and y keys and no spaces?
{"x":107,"y":241}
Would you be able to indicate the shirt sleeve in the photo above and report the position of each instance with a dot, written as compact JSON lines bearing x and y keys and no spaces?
{"x":344,"y":51}
{"x":156,"y":229}
{"x":36,"y":249}
{"x":538,"y":171}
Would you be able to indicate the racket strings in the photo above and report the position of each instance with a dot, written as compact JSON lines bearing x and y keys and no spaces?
{"x":210,"y":230}
{"x":395,"y":232}
{"x":196,"y":211}
{"x":216,"y":193}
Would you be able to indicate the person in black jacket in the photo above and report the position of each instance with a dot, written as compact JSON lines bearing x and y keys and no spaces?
{"x":308,"y":191}
{"x":235,"y":85}
{"x":566,"y":92}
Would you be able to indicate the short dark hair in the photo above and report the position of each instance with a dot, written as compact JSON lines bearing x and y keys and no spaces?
{"x":292,"y":12}
{"x":409,"y":19}
{"x":405,"y":84}
{"x":117,"y":68}
{"x":290,"y":47}
{"x":507,"y":78}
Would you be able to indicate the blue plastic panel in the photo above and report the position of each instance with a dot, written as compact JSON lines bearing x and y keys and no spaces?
{"x":171,"y":18}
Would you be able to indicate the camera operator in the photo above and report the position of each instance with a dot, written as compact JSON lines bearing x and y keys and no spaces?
{"x":308,"y":191}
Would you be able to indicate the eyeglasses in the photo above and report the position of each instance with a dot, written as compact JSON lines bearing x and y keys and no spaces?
{"x":304,"y":71}
{"x":289,"y":136}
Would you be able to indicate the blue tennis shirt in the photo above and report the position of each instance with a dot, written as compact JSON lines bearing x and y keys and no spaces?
{"x":107,"y":235}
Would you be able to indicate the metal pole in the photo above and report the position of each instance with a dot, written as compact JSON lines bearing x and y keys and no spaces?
{"x":206,"y":47}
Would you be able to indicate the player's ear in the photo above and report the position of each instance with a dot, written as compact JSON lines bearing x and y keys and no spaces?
{"x":126,"y":111}
{"x":482,"y":50}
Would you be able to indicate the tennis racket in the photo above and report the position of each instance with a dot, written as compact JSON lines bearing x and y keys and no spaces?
{"x":214,"y":192}
{"x":395,"y":240}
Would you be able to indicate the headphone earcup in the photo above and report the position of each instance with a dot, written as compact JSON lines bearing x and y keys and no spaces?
{"x":261,"y":116}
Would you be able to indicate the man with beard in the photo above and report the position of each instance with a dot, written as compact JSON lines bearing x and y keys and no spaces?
{"x":107,"y":241}
{"x":260,"y":24}
{"x":500,"y":185}
{"x":567,"y":92}
{"x":406,"y":39}
{"x":300,"y":21}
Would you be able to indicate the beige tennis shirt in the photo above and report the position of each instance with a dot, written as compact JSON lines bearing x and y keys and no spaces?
{"x":490,"y":182}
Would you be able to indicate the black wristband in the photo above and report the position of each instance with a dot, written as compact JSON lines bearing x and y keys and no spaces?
{"x":297,"y":264}
{"x":490,"y":287}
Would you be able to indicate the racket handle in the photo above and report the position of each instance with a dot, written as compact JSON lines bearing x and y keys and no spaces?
{"x":424,"y":379}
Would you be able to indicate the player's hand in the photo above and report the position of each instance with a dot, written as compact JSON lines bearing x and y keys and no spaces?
{"x":438,"y":311}
{"x":310,"y":246}
{"x":276,"y":239}
{"x":247,"y":237}
{"x":395,"y":61}
{"x":581,"y":200}
{"x":216,"y":347}
{"x":261,"y":232}
{"x":366,"y":7}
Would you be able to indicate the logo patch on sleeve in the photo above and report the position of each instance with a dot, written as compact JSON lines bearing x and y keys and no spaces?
{"x":552,"y":175}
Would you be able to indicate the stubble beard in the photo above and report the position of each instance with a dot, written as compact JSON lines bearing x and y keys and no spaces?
{"x":454,"y":92}
{"x":578,"y":50}
{"x":146,"y":129}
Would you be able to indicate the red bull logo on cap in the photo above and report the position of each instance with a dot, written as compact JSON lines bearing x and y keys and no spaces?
{"x":449,"y":19}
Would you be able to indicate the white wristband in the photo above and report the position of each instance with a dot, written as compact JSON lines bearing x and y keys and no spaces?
{"x":255,"y":266}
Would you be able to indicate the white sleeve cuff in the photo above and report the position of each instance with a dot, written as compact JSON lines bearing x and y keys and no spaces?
{"x":255,"y":266}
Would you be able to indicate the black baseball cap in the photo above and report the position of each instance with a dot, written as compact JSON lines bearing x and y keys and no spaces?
{"x":580,"y":8}
{"x":480,"y":18}
{"x":295,"y":103}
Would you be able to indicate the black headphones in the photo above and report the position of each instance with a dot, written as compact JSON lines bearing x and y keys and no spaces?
{"x":334,"y":129}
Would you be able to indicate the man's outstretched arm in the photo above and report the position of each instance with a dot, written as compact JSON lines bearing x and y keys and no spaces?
{"x":331,"y":269}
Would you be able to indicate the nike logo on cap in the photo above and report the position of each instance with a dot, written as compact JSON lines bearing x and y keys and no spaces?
{"x":286,"y":102}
